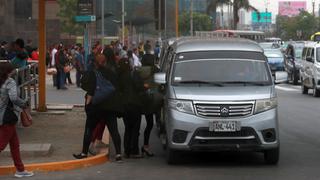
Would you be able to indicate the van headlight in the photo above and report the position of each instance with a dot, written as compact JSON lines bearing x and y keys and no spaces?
{"x":181,"y":105}
{"x":265,"y":105}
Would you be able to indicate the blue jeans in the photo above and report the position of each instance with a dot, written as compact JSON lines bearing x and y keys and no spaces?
{"x":62,"y":78}
{"x":78,"y":78}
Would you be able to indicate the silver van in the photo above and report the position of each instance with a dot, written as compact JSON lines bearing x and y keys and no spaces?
{"x":219,"y":96}
{"x":310,"y":71}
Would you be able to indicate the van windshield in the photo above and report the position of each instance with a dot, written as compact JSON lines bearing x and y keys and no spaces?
{"x":221,"y":72}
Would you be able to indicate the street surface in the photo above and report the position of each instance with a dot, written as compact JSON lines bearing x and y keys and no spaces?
{"x":299,"y":120}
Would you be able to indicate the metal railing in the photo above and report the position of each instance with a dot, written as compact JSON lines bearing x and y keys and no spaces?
{"x":27,"y":80}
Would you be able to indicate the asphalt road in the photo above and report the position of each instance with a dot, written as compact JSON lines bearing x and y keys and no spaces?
{"x":299,"y":120}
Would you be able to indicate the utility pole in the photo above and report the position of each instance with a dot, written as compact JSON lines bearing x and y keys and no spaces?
{"x":165,"y":19}
{"x":123,"y":14}
{"x":177,"y":18}
{"x":42,"y":55}
{"x":191,"y":17}
{"x":313,"y":7}
{"x":102,"y":22}
{"x":159,"y":18}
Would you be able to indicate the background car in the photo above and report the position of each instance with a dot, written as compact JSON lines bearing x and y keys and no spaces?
{"x":275,"y":60}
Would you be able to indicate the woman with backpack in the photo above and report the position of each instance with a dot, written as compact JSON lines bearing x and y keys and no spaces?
{"x":9,"y":103}
{"x":97,"y":83}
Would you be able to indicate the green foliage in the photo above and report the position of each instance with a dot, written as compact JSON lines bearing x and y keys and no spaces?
{"x":68,"y":10}
{"x":287,"y":27}
{"x":201,"y":22}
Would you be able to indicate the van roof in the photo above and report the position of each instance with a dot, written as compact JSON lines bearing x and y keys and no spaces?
{"x":215,"y":44}
{"x":312,"y":44}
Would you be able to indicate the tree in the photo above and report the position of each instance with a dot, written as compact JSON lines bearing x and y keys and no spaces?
{"x":212,"y":9}
{"x":202,"y":22}
{"x":68,"y":10}
{"x":288,"y":27}
{"x":241,"y":4}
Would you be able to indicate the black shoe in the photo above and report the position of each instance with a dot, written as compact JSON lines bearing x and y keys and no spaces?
{"x":80,"y":156}
{"x":119,"y":159}
{"x":147,"y":152}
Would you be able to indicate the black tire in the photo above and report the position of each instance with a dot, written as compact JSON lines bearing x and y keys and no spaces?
{"x":272,"y":156}
{"x":304,"y":89}
{"x":316,"y":92}
{"x":172,"y":156}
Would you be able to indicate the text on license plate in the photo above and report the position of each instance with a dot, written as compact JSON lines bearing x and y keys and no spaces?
{"x":223,"y":126}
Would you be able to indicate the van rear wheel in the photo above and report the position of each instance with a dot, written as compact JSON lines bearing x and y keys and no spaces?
{"x":316,"y":92}
{"x":304,"y":89}
{"x":272,"y":156}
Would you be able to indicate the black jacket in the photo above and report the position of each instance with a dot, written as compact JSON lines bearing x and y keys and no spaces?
{"x":132,"y":89}
{"x":88,"y":83}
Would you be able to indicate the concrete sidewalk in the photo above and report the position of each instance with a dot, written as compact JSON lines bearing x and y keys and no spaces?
{"x":63,"y":133}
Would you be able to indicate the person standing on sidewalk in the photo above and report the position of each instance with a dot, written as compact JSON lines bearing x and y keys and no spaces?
{"x":79,"y":65}
{"x":9,"y":102}
{"x":105,"y":110}
{"x":131,"y":87}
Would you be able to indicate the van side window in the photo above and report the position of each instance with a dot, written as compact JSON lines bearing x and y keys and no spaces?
{"x":312,"y":54}
{"x":304,"y":53}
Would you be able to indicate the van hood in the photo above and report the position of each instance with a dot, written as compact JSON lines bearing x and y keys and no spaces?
{"x":228,"y":93}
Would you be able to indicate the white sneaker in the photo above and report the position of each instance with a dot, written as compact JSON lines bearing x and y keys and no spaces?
{"x":23,"y":174}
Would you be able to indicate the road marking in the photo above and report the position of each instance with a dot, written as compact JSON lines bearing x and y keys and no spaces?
{"x":287,"y":89}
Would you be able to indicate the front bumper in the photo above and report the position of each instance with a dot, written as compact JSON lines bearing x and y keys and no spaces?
{"x":250,"y":138}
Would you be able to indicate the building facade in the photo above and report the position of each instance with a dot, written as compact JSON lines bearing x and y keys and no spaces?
{"x":19,"y":19}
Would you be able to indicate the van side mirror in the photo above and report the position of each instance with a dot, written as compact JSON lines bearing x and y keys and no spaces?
{"x":160,"y":78}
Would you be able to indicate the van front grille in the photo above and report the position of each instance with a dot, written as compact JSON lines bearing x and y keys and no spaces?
{"x":224,"y":110}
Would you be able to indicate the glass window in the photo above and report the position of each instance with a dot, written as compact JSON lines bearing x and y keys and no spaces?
{"x":224,"y":72}
{"x":318,"y":54}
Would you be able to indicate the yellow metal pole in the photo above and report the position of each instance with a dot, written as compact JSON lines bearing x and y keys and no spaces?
{"x":42,"y":56}
{"x":177,"y":18}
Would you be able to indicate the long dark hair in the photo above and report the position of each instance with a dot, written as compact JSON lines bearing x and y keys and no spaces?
{"x":5,"y":70}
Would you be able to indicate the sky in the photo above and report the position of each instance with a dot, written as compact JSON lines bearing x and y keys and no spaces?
{"x":273,"y":6}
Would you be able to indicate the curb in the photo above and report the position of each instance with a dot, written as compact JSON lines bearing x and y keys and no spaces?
{"x":59,"y":166}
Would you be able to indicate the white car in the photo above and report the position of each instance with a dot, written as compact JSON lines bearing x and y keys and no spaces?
{"x":310,"y":71}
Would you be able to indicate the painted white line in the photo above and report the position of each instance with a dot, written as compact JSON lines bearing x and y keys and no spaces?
{"x":286,"y":89}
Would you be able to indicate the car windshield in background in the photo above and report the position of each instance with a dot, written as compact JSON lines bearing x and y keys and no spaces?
{"x":274,"y":53}
{"x":213,"y":72}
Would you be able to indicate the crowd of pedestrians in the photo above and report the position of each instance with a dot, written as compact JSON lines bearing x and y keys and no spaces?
{"x":119,"y":84}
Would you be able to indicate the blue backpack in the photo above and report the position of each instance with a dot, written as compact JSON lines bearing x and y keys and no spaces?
{"x":104,"y":89}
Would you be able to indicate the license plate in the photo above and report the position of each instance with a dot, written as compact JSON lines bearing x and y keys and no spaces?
{"x":223,"y":126}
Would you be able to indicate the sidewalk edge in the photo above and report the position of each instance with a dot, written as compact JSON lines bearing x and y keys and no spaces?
{"x":59,"y":166}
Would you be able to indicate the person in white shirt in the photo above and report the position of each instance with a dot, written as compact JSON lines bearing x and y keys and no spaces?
{"x":53,"y":63}
{"x":134,"y":60}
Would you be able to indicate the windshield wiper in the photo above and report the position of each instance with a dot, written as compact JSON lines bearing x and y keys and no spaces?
{"x":200,"y":82}
{"x":245,"y":83}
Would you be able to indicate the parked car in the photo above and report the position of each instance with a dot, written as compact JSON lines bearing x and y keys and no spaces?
{"x":275,"y":60}
{"x":310,"y":71}
{"x":293,"y":61}
{"x":219,"y":96}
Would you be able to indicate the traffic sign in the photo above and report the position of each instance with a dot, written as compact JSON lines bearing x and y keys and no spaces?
{"x":85,"y":18}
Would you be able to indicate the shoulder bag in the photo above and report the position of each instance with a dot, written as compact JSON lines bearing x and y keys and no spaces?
{"x":104,"y":89}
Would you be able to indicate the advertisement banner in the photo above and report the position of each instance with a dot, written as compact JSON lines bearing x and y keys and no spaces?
{"x":265,"y":17}
{"x":291,"y":8}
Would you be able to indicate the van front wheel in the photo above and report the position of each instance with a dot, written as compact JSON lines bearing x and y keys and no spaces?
{"x":272,"y":156}
{"x":172,"y":156}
